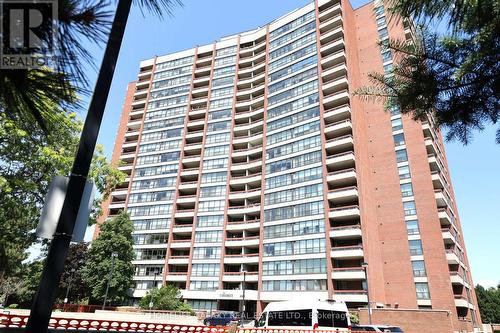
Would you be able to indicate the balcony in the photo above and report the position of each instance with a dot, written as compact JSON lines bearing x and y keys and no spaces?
{"x":343,"y":195}
{"x":347,"y":252}
{"x":340,"y":128}
{"x":178,"y":260}
{"x":444,"y":216}
{"x":238,"y":277}
{"x":245,"y":209}
{"x":242,"y":241}
{"x":452,"y":257}
{"x":334,"y":72}
{"x":441,"y":198}
{"x":245,"y":194}
{"x":355,"y":296}
{"x":348,"y":273}
{"x":336,"y":99}
{"x":243,"y":225}
{"x":449,"y":235}
{"x":241,"y":180}
{"x":342,"y":178}
{"x":345,"y":213}
{"x":457,"y":278}
{"x":176,"y":276}
{"x":180,"y":244}
{"x":251,"y":258}
{"x":332,"y":46}
{"x":330,"y":23}
{"x":341,"y":161}
{"x":346,"y":232}
{"x":337,"y":114}
{"x":340,"y":144}
{"x":438,"y":180}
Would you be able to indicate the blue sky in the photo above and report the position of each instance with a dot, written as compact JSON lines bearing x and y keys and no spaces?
{"x":474,"y":168}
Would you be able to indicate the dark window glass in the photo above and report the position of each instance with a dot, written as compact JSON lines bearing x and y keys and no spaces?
{"x":332,"y":318}
{"x":290,"y":318}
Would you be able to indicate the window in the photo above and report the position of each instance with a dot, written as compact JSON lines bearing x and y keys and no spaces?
{"x":215,"y":164}
{"x":162,"y":113}
{"x":328,"y":318}
{"x":224,"y":71}
{"x":401,"y":155}
{"x":290,"y":318}
{"x":290,"y":285}
{"x":293,"y":105}
{"x":289,"y":26}
{"x":167,"y":102}
{"x":294,"y":194}
{"x":286,"y":267}
{"x":212,"y":236}
{"x":293,"y":162}
{"x":170,"y":91}
{"x":415,"y":247}
{"x":386,"y":56}
{"x":292,"y":69}
{"x":293,"y":46}
{"x":206,"y":253}
{"x":151,"y":196}
{"x":213,"y":177}
{"x":219,"y":114}
{"x":395,"y":111}
{"x":418,"y":267}
{"x":204,"y":285}
{"x":294,"y":178}
{"x":210,"y":221}
{"x":151,"y":224}
{"x":217,"y":138}
{"x":153,"y":183}
{"x":212,"y":191}
{"x":156,"y":170}
{"x":404,"y":172}
{"x":219,"y":126}
{"x":171,"y":82}
{"x":174,"y":63}
{"x":225,"y":51}
{"x":301,"y":145}
{"x":291,"y":35}
{"x":216,"y":151}
{"x":203,"y":305}
{"x":150,"y":210}
{"x":409,"y":208}
{"x":412,"y":227}
{"x":294,"y":229}
{"x":223,"y":81}
{"x":399,"y":139}
{"x":422,"y":290}
{"x":406,"y":190}
{"x":293,"y":119}
{"x":383,"y":33}
{"x":388,"y":68}
{"x":397,"y":124}
{"x":379,"y":10}
{"x":211,"y":206}
{"x":205,"y":270}
{"x":294,"y":132}
{"x":311,"y":48}
{"x":294,"y":247}
{"x":225,"y":61}
{"x":172,"y":72}
{"x":288,"y":94}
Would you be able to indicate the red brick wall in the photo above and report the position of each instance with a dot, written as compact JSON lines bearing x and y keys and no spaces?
{"x":411,"y":321}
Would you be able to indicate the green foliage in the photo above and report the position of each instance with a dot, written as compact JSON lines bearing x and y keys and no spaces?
{"x":455,"y":77}
{"x":72,"y":275}
{"x":354,"y":316}
{"x":115,"y":236}
{"x":489,"y":303}
{"x":28,"y":162}
{"x":167,"y":297}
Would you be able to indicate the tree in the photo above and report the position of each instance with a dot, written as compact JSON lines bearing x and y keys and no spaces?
{"x":28,"y":162}
{"x":488,"y":301}
{"x":456,"y":77}
{"x":115,"y":236}
{"x":167,"y":297}
{"x":72,"y":276}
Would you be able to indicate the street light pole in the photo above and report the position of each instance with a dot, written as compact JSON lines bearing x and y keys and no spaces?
{"x":69,"y":286}
{"x":365,"y":268}
{"x":41,"y":308}
{"x":113,"y":256}
{"x":243,"y":296}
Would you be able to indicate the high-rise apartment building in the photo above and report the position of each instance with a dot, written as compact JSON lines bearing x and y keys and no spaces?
{"x":253,"y":169}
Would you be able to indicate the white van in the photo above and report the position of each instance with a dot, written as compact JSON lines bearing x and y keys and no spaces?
{"x":306,"y":314}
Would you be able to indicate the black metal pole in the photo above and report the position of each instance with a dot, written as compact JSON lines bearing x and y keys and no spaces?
{"x":41,"y":307}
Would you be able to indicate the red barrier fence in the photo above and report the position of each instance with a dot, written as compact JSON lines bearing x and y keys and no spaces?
{"x":8,"y":320}
{"x":19,"y":321}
